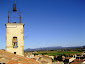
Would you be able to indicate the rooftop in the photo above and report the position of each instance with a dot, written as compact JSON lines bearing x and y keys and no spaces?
{"x":10,"y":58}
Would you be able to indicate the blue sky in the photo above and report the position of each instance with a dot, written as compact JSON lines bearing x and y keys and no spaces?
{"x":47,"y":22}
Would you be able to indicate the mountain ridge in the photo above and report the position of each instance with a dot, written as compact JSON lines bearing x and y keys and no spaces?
{"x":52,"y":48}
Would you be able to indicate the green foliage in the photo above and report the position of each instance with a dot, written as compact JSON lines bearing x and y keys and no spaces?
{"x":35,"y":54}
{"x":59,"y":58}
{"x":53,"y":60}
{"x":54,"y":53}
{"x":44,"y":53}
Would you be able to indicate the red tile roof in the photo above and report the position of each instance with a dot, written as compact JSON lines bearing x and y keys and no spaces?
{"x":13,"y":58}
{"x":77,"y":61}
{"x":68,"y":57}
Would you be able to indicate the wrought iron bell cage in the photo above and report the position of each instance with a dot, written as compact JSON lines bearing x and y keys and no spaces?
{"x":14,"y":15}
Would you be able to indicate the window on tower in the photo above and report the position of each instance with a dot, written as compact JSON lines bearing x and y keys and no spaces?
{"x":15,"y":45}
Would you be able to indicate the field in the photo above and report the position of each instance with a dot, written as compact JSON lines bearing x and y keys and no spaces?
{"x":54,"y":53}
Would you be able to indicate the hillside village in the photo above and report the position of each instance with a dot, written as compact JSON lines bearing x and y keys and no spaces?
{"x":31,"y":58}
{"x":15,"y":54}
{"x":78,"y":58}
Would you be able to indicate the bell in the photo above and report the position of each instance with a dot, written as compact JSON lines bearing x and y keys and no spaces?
{"x":14,"y":7}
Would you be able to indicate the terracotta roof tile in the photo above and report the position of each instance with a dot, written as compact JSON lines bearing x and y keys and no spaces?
{"x":14,"y":59}
{"x":77,"y":61}
{"x":68,"y":57}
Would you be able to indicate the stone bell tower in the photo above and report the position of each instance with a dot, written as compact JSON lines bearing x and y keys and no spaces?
{"x":14,"y":32}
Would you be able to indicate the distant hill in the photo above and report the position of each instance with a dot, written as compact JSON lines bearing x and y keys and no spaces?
{"x":44,"y":48}
{"x":52,"y":48}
